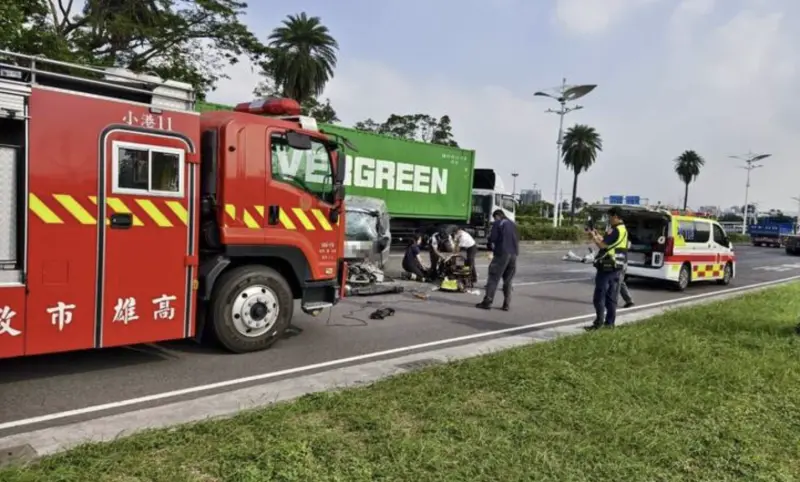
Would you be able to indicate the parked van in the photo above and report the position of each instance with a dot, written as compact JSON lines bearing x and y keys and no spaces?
{"x":680,"y":249}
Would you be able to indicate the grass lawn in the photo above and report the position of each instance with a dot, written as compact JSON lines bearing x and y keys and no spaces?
{"x":703,"y":394}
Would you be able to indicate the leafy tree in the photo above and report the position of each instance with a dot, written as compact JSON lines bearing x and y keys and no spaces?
{"x":687,"y":167}
{"x":417,"y":127}
{"x":185,"y":40}
{"x":579,"y":152}
{"x":302,"y":57}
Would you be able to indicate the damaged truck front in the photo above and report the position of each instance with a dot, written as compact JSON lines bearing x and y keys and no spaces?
{"x":367,"y":234}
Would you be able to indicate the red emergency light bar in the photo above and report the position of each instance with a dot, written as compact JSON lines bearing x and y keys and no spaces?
{"x":271,"y":106}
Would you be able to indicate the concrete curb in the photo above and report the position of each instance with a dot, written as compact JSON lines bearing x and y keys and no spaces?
{"x":27,"y":446}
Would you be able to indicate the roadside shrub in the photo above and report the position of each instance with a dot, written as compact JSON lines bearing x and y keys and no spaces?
{"x":738,"y":238}
{"x":546,"y":232}
{"x":534,"y":220}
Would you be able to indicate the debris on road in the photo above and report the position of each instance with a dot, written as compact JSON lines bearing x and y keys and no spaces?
{"x":574,"y":258}
{"x":381,"y":313}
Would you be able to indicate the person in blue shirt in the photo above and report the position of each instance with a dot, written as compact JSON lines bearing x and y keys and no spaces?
{"x":412,"y":262}
{"x":504,"y":243}
{"x":610,"y":262}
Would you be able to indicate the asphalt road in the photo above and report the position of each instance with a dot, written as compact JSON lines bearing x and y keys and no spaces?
{"x":546,"y":289}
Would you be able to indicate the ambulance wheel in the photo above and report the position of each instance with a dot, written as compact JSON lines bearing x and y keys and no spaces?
{"x":684,"y":277}
{"x":727,"y":275}
{"x":251,"y":308}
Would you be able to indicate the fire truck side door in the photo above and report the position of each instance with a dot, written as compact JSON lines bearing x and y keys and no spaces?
{"x":301,"y":185}
{"x":147,"y":234}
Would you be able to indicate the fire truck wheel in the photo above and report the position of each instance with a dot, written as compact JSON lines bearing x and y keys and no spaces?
{"x":252,"y":307}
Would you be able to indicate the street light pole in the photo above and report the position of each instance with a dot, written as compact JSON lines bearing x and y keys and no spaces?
{"x":797,"y":218}
{"x":514,"y":185}
{"x":749,"y":164}
{"x":564,"y":93}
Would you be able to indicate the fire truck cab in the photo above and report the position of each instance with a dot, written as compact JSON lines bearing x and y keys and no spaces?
{"x":126,"y":217}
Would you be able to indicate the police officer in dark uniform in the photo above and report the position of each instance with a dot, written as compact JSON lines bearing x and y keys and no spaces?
{"x":610,"y":263}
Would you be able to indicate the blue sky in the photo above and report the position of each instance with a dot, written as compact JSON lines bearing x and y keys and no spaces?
{"x":717,"y":77}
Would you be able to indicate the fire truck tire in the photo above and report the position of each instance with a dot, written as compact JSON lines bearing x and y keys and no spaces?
{"x":251,"y":308}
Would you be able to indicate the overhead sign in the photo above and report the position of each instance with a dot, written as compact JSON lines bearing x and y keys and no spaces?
{"x":616,"y":199}
{"x":634,"y":200}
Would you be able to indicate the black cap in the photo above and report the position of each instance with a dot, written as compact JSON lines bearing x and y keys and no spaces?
{"x":498,"y":213}
{"x":615,"y":212}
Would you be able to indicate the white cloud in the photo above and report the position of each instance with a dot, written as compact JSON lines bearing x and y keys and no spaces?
{"x":729,"y":90}
{"x":586,"y":17}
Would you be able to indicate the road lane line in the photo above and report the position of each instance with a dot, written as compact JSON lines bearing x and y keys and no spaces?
{"x":369,"y":356}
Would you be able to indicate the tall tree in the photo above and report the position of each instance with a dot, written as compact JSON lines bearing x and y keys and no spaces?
{"x":417,"y":127}
{"x":302,"y":57}
{"x":687,"y":167}
{"x":185,"y":40}
{"x":579,"y":152}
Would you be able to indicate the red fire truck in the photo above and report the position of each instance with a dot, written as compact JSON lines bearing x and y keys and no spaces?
{"x":126,"y":218}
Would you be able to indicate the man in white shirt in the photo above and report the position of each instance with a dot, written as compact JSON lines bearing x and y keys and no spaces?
{"x":463,"y":240}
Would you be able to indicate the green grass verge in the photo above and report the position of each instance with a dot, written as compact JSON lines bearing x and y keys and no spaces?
{"x":710,"y":393}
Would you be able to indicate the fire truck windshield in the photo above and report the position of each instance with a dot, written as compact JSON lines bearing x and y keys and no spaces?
{"x":310,"y":170}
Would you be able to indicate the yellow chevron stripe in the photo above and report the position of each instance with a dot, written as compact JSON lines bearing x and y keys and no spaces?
{"x":303,"y":219}
{"x":260,"y":210}
{"x":119,"y":207}
{"x":285,"y":220}
{"x":157,"y":216}
{"x":248,"y":220}
{"x":231,"y":210}
{"x":179,"y":211}
{"x":322,"y":220}
{"x":79,"y":212}
{"x":40,"y":209}
{"x":94,"y":201}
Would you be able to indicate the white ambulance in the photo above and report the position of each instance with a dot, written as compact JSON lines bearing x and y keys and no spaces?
{"x":680,"y":248}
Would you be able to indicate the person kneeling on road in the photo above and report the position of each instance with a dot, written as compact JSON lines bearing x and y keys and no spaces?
{"x":464,"y":241}
{"x":504,"y":243}
{"x":412,"y":262}
{"x":610,"y":263}
{"x":440,"y":242}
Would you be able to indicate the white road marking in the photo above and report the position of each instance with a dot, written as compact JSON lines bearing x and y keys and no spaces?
{"x":552,"y":281}
{"x":359,"y":358}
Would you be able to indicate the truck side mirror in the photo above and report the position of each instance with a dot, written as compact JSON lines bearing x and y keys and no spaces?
{"x":341,"y":166}
{"x":298,"y":141}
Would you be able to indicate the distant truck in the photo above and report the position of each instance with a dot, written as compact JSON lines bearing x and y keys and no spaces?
{"x":424,"y":185}
{"x":767,"y":232}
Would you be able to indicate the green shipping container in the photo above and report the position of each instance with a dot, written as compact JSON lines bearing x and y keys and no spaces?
{"x":417,"y":180}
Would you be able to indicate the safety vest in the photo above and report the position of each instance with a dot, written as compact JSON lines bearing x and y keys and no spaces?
{"x":616,"y":255}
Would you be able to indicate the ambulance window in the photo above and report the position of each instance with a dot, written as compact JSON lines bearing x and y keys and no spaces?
{"x":702,"y":232}
{"x":719,"y":235}
{"x":687,"y":231}
{"x":151,"y":170}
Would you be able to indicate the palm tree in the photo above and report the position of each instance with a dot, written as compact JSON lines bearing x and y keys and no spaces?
{"x":302,"y":57}
{"x":687,"y":167}
{"x":579,"y":151}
